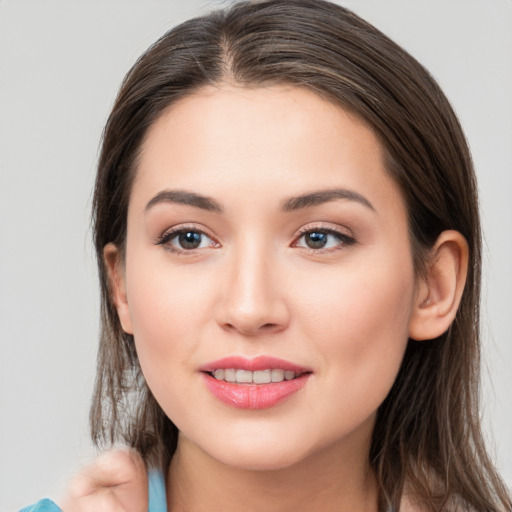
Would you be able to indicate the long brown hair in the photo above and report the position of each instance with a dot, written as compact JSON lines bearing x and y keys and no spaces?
{"x":427,"y":437}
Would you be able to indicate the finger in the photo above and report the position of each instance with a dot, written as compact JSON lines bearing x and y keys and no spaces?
{"x":111,"y":469}
{"x":103,"y":500}
{"x":116,"y":482}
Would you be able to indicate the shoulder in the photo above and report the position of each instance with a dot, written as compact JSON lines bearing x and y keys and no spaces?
{"x":44,"y":505}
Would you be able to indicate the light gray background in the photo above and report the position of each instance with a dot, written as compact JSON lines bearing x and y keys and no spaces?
{"x":61,"y":62}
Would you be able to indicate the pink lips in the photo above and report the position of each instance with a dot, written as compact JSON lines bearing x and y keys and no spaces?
{"x":254,"y":396}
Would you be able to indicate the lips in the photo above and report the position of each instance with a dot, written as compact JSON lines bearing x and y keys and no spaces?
{"x":257,"y":383}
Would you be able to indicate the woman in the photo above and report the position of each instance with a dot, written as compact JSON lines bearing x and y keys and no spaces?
{"x":287,"y":233}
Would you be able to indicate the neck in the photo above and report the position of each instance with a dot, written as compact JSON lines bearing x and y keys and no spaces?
{"x":334,"y":479}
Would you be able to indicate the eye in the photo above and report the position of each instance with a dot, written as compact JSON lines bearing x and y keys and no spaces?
{"x":321,"y":238}
{"x":186,"y":239}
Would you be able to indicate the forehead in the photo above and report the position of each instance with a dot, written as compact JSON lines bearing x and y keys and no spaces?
{"x":272,"y":140}
{"x":271,"y":117}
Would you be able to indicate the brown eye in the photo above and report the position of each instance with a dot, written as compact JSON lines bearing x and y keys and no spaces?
{"x":316,"y":239}
{"x":186,"y":239}
{"x":189,"y":239}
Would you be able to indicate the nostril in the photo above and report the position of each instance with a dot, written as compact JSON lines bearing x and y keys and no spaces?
{"x":251,"y":329}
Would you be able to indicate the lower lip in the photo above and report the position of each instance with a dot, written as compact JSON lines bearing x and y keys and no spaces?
{"x":254,"y":396}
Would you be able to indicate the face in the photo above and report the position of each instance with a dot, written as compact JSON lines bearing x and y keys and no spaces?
{"x":266,"y":242}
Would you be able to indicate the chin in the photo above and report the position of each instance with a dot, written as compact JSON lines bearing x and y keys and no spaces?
{"x":257,"y":460}
{"x":260,"y":454}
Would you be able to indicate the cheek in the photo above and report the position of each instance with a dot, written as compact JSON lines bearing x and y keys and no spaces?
{"x":359,"y":320}
{"x":166,"y":302}
{"x":166,"y":311}
{"x":162,"y":325}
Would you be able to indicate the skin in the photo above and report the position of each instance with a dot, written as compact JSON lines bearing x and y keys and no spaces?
{"x":254,"y":287}
{"x":117,"y":480}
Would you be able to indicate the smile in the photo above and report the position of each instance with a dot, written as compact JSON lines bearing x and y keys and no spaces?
{"x":256,"y":377}
{"x":257,"y":383}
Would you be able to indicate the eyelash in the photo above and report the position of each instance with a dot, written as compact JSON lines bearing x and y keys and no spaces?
{"x":343,"y":239}
{"x":168,"y":236}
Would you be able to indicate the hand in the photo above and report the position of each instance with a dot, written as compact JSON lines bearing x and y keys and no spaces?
{"x":116,"y":482}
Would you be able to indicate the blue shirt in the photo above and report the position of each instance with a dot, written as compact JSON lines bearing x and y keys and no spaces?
{"x":157,"y":497}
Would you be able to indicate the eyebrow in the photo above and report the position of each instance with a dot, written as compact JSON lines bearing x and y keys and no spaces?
{"x":289,"y":205}
{"x":187,"y":198}
{"x":324,"y":196}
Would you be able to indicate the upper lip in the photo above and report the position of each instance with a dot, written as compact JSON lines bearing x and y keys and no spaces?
{"x":252,"y":364}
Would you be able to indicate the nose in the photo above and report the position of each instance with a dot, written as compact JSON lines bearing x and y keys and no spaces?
{"x":253,"y":296}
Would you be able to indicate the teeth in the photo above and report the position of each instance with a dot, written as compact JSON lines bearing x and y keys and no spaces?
{"x":219,"y":374}
{"x":257,"y":377}
{"x":277,"y":375}
{"x":230,"y":375}
{"x":288,"y":375}
{"x":244,"y":376}
{"x":262,"y":377}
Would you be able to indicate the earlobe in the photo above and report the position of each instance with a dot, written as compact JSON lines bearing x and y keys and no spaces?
{"x":114,"y":265}
{"x":440,"y":290}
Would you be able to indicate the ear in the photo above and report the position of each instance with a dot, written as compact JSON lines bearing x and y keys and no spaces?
{"x":440,"y":290}
{"x":115,"y":268}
